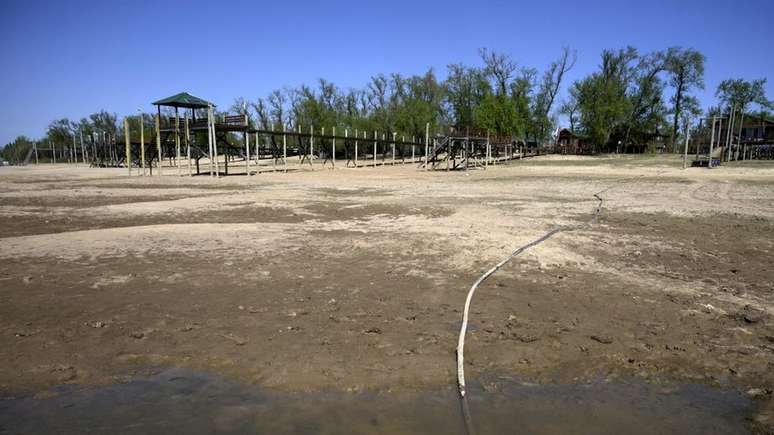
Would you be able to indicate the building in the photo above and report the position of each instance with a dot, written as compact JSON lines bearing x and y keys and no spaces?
{"x":568,"y":142}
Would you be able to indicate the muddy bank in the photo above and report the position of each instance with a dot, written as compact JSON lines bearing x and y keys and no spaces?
{"x":346,"y":281}
{"x":192,"y":402}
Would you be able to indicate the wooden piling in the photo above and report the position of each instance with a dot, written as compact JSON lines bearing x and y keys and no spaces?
{"x":158,"y":141}
{"x":311,"y":145}
{"x":685,"y":150}
{"x":247,"y":149}
{"x":393,"y":148}
{"x":215,"y":143}
{"x":142,"y":143}
{"x":209,"y":143}
{"x":83,"y":150}
{"x":177,"y":143}
{"x":128,"y":153}
{"x":285,"y":151}
{"x":712,"y":142}
{"x":187,"y":138}
{"x":427,"y":142}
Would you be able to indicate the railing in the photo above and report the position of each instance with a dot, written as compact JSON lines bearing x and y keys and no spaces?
{"x":169,"y":122}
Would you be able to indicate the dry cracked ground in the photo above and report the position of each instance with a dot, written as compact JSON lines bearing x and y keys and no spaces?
{"x":354,"y":279}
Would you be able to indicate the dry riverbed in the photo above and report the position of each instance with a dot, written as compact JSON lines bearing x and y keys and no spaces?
{"x":354,"y":279}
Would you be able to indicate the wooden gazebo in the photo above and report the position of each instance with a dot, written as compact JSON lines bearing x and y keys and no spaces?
{"x":217,"y":132}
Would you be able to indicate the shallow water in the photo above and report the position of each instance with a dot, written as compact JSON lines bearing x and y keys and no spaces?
{"x":184,"y":401}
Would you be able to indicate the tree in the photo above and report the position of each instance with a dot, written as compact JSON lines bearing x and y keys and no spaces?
{"x":686,"y":71}
{"x":60,"y":132}
{"x":569,"y":108}
{"x":647,"y":108}
{"x":277,"y":102}
{"x":741,"y":93}
{"x":465,"y":88}
{"x":549,"y":89}
{"x":500,"y":67}
{"x":690,"y":111}
{"x":16,"y":151}
{"x":603,"y":102}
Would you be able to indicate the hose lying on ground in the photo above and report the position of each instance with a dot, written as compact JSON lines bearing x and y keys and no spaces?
{"x":546,"y":236}
{"x":464,"y":326}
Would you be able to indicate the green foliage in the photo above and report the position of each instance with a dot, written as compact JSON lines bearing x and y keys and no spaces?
{"x":16,"y":151}
{"x":497,"y":114}
{"x":622,"y":105}
{"x":603,"y":102}
{"x":741,"y":93}
{"x":686,"y":71}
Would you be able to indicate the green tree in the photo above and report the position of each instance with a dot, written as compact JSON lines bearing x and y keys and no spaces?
{"x":686,"y":71}
{"x":603,"y":102}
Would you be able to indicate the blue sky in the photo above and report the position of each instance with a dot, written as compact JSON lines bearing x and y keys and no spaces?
{"x":72,"y":58}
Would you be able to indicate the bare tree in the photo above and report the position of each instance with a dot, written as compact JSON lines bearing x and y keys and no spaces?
{"x":277,"y":102}
{"x":686,"y":70}
{"x":550,"y":85}
{"x":500,"y":67}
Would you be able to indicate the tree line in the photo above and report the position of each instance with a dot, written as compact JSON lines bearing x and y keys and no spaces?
{"x":632,"y":99}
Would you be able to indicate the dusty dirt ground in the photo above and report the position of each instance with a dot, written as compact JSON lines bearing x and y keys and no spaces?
{"x":355,"y":278}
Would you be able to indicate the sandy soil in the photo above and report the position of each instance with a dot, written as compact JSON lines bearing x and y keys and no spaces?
{"x":355,"y":278}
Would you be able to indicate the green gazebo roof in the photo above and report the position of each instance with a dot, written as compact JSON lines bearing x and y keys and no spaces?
{"x":184,"y":99}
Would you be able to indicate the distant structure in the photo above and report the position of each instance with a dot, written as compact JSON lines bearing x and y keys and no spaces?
{"x":569,"y":142}
{"x":755,"y":139}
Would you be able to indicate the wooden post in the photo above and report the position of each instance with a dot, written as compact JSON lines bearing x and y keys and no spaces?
{"x":158,"y":140}
{"x":333,"y":150}
{"x":685,"y":151}
{"x":488,"y":151}
{"x":214,"y":142}
{"x":448,"y":153}
{"x":427,"y":141}
{"x":258,"y":156}
{"x":128,"y":152}
{"x":247,"y":148}
{"x":356,"y":136}
{"x":311,"y":145}
{"x":701,"y":122}
{"x":35,"y":150}
{"x":375,"y":140}
{"x":393,"y":148}
{"x":285,"y":151}
{"x":712,"y":142}
{"x":177,"y":143}
{"x":187,"y":137}
{"x":83,"y":150}
{"x":402,"y":150}
{"x":739,"y":143}
{"x":729,"y":129}
{"x":413,"y":149}
{"x":142,"y":143}
{"x":209,"y":143}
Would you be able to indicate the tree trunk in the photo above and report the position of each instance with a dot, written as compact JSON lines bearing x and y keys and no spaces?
{"x":678,"y":102}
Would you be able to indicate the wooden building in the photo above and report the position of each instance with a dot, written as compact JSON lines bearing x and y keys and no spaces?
{"x":568,"y":142}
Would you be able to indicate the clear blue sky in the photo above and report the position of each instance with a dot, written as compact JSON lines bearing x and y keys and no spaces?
{"x":72,"y":58}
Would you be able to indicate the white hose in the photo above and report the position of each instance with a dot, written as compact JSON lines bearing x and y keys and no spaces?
{"x":464,"y":327}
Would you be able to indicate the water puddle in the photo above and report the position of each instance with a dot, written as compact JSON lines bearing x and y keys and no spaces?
{"x":184,"y":401}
